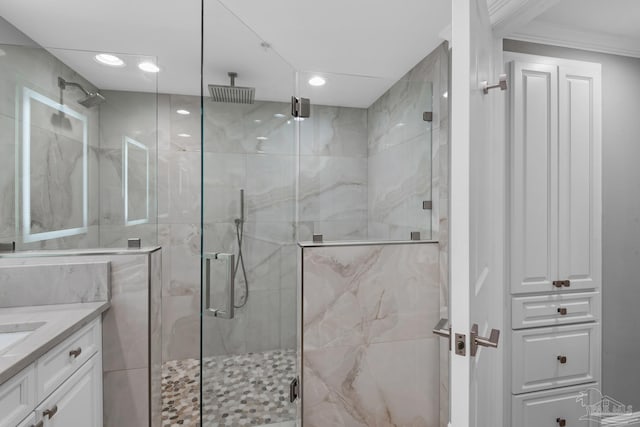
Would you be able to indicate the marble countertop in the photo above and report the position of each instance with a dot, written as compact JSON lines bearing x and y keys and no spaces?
{"x":60,"y":322}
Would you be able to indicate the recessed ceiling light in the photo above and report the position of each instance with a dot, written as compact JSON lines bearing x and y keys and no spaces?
{"x":148,"y":67}
{"x":317,"y":81}
{"x":262,"y":138}
{"x":184,"y":135}
{"x":279,"y":115}
{"x":110,"y":60}
{"x":183,"y":112}
{"x":257,"y":121}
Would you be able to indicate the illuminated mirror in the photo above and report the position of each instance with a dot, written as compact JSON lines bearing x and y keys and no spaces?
{"x":135,"y":182}
{"x":54,"y":162}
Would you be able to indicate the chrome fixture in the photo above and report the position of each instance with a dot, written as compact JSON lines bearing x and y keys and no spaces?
{"x":135,"y":243}
{"x":415,"y":235}
{"x":427,"y":116}
{"x":232,"y":94}
{"x":318,"y":238}
{"x":229,"y":260}
{"x":91,"y":99}
{"x":300,"y":107}
{"x":477,"y":341}
{"x":8,"y":247}
{"x":502,"y":84}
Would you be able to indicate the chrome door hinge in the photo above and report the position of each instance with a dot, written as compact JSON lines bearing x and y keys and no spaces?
{"x":8,"y":247}
{"x":294,"y":389}
{"x":300,"y":107}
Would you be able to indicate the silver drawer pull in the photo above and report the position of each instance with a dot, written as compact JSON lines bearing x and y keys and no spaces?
{"x":75,"y":353}
{"x":562,"y":359}
{"x":562,"y":311}
{"x":561,"y":422}
{"x":50,"y":412}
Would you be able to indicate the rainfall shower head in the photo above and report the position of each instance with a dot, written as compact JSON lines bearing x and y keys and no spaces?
{"x":91,"y":99}
{"x":232,"y":94}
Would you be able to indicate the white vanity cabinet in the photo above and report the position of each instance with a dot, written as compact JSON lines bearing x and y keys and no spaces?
{"x":63,"y":387}
{"x":555,"y":246}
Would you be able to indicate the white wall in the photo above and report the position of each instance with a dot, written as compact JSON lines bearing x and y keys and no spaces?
{"x":621,"y":215}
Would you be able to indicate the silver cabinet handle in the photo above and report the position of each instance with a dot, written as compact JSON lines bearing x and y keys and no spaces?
{"x":477,"y":341}
{"x":50,"y":412}
{"x":229,"y":260}
{"x":75,"y":353}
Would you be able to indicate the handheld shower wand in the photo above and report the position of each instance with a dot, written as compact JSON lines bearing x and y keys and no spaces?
{"x":239,"y":222}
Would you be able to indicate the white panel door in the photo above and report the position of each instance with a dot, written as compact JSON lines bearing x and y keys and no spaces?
{"x":580,"y":207}
{"x":534,"y":169}
{"x":477,"y":214}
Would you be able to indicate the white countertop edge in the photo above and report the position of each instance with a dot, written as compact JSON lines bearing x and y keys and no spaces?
{"x":23,"y":354}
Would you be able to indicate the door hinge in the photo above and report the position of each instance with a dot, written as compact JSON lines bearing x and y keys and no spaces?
{"x":300,"y":107}
{"x":294,"y":389}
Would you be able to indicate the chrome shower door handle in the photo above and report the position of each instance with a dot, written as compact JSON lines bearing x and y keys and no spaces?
{"x":229,"y":260}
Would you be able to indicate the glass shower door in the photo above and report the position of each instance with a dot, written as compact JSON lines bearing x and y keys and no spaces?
{"x":249,"y":251}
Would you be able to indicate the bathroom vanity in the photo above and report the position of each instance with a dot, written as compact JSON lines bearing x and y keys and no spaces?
{"x":51,"y":365}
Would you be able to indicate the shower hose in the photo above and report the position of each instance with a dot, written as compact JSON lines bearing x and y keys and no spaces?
{"x":240,"y":262}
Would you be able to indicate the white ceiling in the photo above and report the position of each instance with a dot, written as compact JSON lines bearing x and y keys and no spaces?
{"x":361,"y":46}
{"x":611,"y":26}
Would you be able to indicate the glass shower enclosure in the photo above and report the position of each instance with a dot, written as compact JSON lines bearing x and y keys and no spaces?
{"x":249,"y":262}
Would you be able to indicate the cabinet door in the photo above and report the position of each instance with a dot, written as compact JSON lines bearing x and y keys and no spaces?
{"x":534,"y":177}
{"x":30,"y":421}
{"x":579,"y":175}
{"x":78,"y":401}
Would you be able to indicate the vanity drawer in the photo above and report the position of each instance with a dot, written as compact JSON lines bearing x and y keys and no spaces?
{"x":63,"y":360}
{"x":17,"y":397}
{"x":546,"y":358}
{"x":550,"y":310}
{"x":549,"y":408}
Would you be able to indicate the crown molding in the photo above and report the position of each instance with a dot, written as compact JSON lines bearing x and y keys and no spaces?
{"x":509,"y":15}
{"x":555,"y":35}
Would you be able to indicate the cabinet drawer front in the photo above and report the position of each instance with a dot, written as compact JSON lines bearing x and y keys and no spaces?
{"x":78,"y":401}
{"x":538,"y":354}
{"x":57,"y":365}
{"x":547,"y":310}
{"x":545,"y":408}
{"x":17,"y":397}
{"x":30,"y":421}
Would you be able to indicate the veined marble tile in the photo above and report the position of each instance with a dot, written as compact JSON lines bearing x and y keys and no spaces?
{"x":270,"y":190}
{"x":184,"y":187}
{"x":224,"y":176}
{"x":399,"y":181}
{"x":181,"y":327}
{"x":126,"y":400}
{"x":366,"y":294}
{"x":384,"y":384}
{"x":332,"y":188}
{"x":334,"y":131}
{"x":7,"y":178}
{"x":126,"y":323}
{"x":28,"y":285}
{"x":260,"y":128}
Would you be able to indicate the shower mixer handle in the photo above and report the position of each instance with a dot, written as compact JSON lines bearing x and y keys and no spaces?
{"x":229,"y":262}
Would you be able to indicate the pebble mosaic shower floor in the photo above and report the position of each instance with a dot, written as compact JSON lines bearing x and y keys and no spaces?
{"x":242,"y":390}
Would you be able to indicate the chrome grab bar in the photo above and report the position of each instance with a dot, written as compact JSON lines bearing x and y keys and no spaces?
{"x":229,"y":260}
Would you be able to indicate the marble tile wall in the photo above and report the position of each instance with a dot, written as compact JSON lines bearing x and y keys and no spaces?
{"x":128,"y":357}
{"x":333,"y":174}
{"x":132,"y":115}
{"x":29,"y":285}
{"x":56,"y":162}
{"x":369,"y":357}
{"x":403,"y":156}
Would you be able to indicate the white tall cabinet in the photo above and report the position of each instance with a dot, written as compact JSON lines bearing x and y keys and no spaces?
{"x":555,"y":247}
